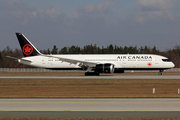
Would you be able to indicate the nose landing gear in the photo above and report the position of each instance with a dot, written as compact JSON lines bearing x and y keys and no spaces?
{"x":160,"y":72}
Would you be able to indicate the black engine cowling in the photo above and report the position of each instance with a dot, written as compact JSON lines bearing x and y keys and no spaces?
{"x":104,"y":68}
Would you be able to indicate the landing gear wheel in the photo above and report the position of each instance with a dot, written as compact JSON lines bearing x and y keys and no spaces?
{"x":160,"y":72}
{"x":97,"y":74}
{"x":91,"y":74}
{"x":86,"y":74}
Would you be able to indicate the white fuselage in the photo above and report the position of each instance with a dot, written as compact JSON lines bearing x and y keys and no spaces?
{"x":124,"y":61}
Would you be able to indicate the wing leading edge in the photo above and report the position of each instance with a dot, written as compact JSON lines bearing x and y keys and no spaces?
{"x":80,"y":63}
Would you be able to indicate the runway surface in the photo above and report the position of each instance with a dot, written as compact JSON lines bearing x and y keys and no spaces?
{"x":98,"y":108}
{"x":97,"y":77}
{"x":89,"y":114}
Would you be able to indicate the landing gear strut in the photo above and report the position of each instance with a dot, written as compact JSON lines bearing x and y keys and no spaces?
{"x":160,"y":72}
{"x":91,"y":74}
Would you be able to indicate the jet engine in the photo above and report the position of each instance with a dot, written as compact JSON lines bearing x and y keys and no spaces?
{"x":104,"y":68}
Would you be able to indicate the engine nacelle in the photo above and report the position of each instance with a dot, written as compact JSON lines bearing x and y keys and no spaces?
{"x":104,"y":68}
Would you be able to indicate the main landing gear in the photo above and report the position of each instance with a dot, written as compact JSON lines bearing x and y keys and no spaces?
{"x":160,"y":72}
{"x":91,"y":74}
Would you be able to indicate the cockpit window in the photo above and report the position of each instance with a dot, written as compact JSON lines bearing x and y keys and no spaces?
{"x":166,"y":60}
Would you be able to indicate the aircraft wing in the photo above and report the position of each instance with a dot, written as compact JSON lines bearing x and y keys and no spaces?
{"x":74,"y":61}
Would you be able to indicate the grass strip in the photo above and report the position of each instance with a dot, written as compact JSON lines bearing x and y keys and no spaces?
{"x":91,"y":88}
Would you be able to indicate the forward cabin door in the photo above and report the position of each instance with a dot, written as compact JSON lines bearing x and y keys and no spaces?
{"x":159,"y":63}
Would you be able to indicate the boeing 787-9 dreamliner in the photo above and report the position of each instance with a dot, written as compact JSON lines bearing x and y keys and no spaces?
{"x":93,"y":64}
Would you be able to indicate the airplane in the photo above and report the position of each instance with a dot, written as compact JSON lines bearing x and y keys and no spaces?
{"x":98,"y":63}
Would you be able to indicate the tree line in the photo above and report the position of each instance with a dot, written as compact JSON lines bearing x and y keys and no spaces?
{"x":173,"y":54}
{"x":93,"y":49}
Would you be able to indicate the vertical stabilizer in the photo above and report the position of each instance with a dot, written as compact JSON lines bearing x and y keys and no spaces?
{"x":27,"y":47}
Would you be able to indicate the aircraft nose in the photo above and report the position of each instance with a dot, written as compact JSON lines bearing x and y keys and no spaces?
{"x":172,"y":64}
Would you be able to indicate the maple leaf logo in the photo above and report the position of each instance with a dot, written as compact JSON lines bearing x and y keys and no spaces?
{"x":27,"y":49}
{"x":149,"y":64}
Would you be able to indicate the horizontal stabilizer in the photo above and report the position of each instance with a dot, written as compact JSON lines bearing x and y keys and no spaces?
{"x":17,"y":59}
{"x":12,"y":58}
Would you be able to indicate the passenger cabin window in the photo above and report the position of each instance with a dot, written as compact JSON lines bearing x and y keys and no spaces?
{"x":166,"y":60}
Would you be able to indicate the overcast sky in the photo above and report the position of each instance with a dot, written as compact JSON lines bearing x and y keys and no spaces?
{"x":82,"y":22}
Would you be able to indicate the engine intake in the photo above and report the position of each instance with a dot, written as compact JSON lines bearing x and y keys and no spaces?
{"x":104,"y":68}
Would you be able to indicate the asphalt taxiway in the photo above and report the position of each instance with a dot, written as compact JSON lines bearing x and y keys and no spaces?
{"x":93,"y":108}
{"x":96,"y":77}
